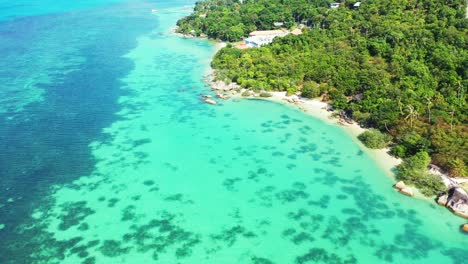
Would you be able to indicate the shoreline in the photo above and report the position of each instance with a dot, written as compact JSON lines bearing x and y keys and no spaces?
{"x":319,"y":110}
{"x":312,"y":107}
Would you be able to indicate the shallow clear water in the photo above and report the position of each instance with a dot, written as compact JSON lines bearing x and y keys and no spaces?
{"x":110,"y":157}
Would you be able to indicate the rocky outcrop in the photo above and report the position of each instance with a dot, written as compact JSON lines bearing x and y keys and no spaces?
{"x":222,"y":86}
{"x":456,"y":199}
{"x":222,"y":96}
{"x":209,"y":101}
{"x":407,"y":191}
{"x":402,"y":188}
{"x":399,"y":185}
{"x":464,"y":228}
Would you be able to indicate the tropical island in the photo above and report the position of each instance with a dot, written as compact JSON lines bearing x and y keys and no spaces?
{"x":400,"y":68}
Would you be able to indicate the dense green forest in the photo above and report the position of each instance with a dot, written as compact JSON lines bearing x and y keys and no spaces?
{"x":398,"y":66}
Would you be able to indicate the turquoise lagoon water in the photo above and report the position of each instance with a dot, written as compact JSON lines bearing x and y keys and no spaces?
{"x":108,"y":156}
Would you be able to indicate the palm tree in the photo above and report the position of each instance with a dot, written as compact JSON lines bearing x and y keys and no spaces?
{"x":400,"y":105}
{"x":429,"y":103}
{"x":412,"y":114}
{"x":461,"y":89}
{"x":451,"y":118}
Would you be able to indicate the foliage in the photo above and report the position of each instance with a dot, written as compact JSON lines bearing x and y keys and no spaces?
{"x":374,"y":139}
{"x":246,"y":93}
{"x":310,"y":89}
{"x":414,"y":171}
{"x":397,"y":66}
{"x":231,"y":19}
{"x":265,"y":94}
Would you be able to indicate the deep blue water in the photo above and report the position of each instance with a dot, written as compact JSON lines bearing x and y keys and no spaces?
{"x":25,"y":8}
{"x":46,"y":141}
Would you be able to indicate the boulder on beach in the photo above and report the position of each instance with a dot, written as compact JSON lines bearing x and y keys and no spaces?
{"x":442,"y":200}
{"x":400,"y":185}
{"x":456,"y":199}
{"x":407,"y":191}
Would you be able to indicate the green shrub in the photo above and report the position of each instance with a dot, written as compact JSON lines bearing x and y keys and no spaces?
{"x":290,"y":91}
{"x":361,"y":118}
{"x":310,"y":89}
{"x":398,"y":151}
{"x":265,"y":94}
{"x":458,"y":168}
{"x":414,"y":171}
{"x":430,"y":184}
{"x":246,"y":93}
{"x":374,"y":139}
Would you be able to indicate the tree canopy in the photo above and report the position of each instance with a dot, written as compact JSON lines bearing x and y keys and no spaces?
{"x":398,"y":66}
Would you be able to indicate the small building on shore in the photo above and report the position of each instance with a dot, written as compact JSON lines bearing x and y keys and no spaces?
{"x":278,"y":24}
{"x":241,"y":46}
{"x":263,"y":37}
{"x":276,"y":32}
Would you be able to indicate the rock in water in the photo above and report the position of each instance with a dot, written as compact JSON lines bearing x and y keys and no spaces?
{"x":222,"y":96}
{"x":407,"y":191}
{"x":465,"y":228}
{"x":456,"y":199}
{"x":209,"y":101}
{"x":400,"y":185}
{"x":442,"y":200}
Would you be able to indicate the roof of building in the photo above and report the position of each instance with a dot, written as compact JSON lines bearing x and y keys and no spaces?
{"x":241,"y":46}
{"x":266,"y":32}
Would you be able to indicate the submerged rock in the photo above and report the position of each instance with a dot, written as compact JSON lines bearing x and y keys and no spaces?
{"x":222,"y":96}
{"x":442,"y":200}
{"x":209,"y":101}
{"x":456,"y":199}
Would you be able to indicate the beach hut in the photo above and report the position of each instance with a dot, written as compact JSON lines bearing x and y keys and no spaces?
{"x":278,"y":24}
{"x":241,"y":46}
{"x":263,"y":37}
